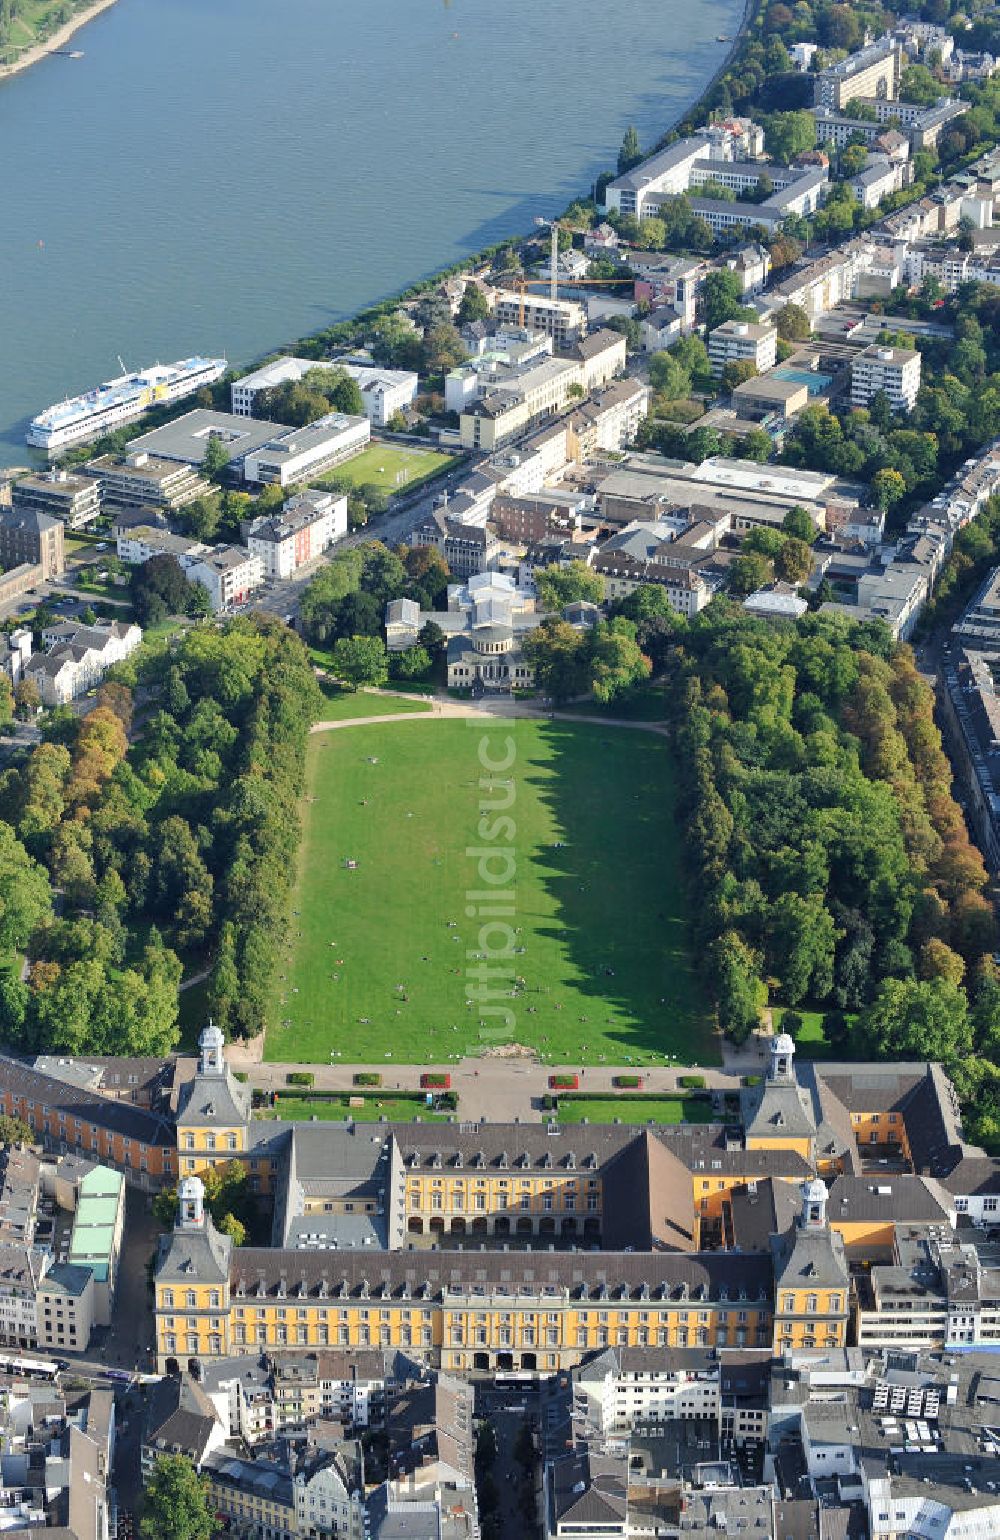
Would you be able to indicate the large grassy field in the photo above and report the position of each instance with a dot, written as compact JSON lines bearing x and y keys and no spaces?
{"x":393,"y":467}
{"x":374,"y":964}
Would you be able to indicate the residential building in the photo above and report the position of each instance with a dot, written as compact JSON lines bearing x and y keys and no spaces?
{"x":609,"y":420}
{"x":510,"y":408}
{"x":524,"y":520}
{"x":293,"y":454}
{"x":561,"y":319}
{"x":737,"y":342}
{"x":31,"y":537}
{"x":467,"y":549}
{"x":308,"y":524}
{"x":893,"y":371}
{"x":75,"y":499}
{"x":79,"y":658}
{"x":878,"y":178}
{"x":138,"y":543}
{"x":872,"y":71}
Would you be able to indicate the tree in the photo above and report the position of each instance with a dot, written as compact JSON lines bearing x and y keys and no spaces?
{"x":558,"y":653}
{"x":793,"y":562}
{"x":618,"y":661}
{"x":787,"y":134}
{"x":176,"y":1503}
{"x":27,"y":699}
{"x":559,"y":586}
{"x":443,"y":349}
{"x":474,"y":305}
{"x":737,"y":372}
{"x":630,"y":153}
{"x":888,"y":486}
{"x":747,"y":573}
{"x":215,"y":460}
{"x":792,"y":323}
{"x":234,"y":1228}
{"x":798,"y":523}
{"x":411,"y":663}
{"x":911,"y":1019}
{"x":733,"y":971}
{"x":202,"y":517}
{"x":722,"y":294}
{"x":668,"y":376}
{"x":938,"y":961}
{"x":14,"y":1131}
{"x":25,"y":896}
{"x":431,"y":637}
{"x":359,"y":660}
{"x":917,"y":85}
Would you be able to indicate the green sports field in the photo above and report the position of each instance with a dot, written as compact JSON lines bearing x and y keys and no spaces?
{"x":382,"y":960}
{"x":393,"y":467}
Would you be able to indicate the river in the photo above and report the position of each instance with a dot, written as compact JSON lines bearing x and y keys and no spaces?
{"x":220,"y":176}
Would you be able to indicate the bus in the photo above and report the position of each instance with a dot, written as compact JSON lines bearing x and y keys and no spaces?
{"x":35,"y":1368}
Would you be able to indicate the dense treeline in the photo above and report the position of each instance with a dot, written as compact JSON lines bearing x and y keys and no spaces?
{"x":829,"y":862}
{"x":114,"y":859}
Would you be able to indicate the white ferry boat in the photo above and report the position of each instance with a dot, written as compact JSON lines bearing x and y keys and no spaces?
{"x":119,"y":401}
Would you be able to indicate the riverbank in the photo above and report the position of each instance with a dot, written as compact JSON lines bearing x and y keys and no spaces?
{"x":58,"y":39}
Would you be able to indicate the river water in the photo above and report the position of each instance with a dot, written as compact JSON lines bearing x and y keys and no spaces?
{"x":221,"y":176}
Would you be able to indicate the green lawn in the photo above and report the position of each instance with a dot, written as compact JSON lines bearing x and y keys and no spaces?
{"x":299,"y":1110}
{"x":393,"y":467}
{"x":340,"y":705}
{"x":810,"y":1042}
{"x":656,"y":1109}
{"x":604,"y":972}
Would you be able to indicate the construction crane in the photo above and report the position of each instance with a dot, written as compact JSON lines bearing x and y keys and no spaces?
{"x":553,"y":278}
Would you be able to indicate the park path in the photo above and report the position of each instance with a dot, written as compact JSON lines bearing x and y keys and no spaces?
{"x":503,"y":708}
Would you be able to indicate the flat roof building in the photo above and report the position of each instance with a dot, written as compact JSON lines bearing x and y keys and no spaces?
{"x":893,"y":371}
{"x":75,"y":499}
{"x":186,"y":439}
{"x":293,"y":454}
{"x":736,"y":342}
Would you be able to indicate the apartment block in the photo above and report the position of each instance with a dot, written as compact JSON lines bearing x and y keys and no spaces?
{"x":306,"y":526}
{"x":871,"y":71}
{"x":894,"y":371}
{"x":743,"y":342}
{"x":561,"y":319}
{"x":230,"y":573}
